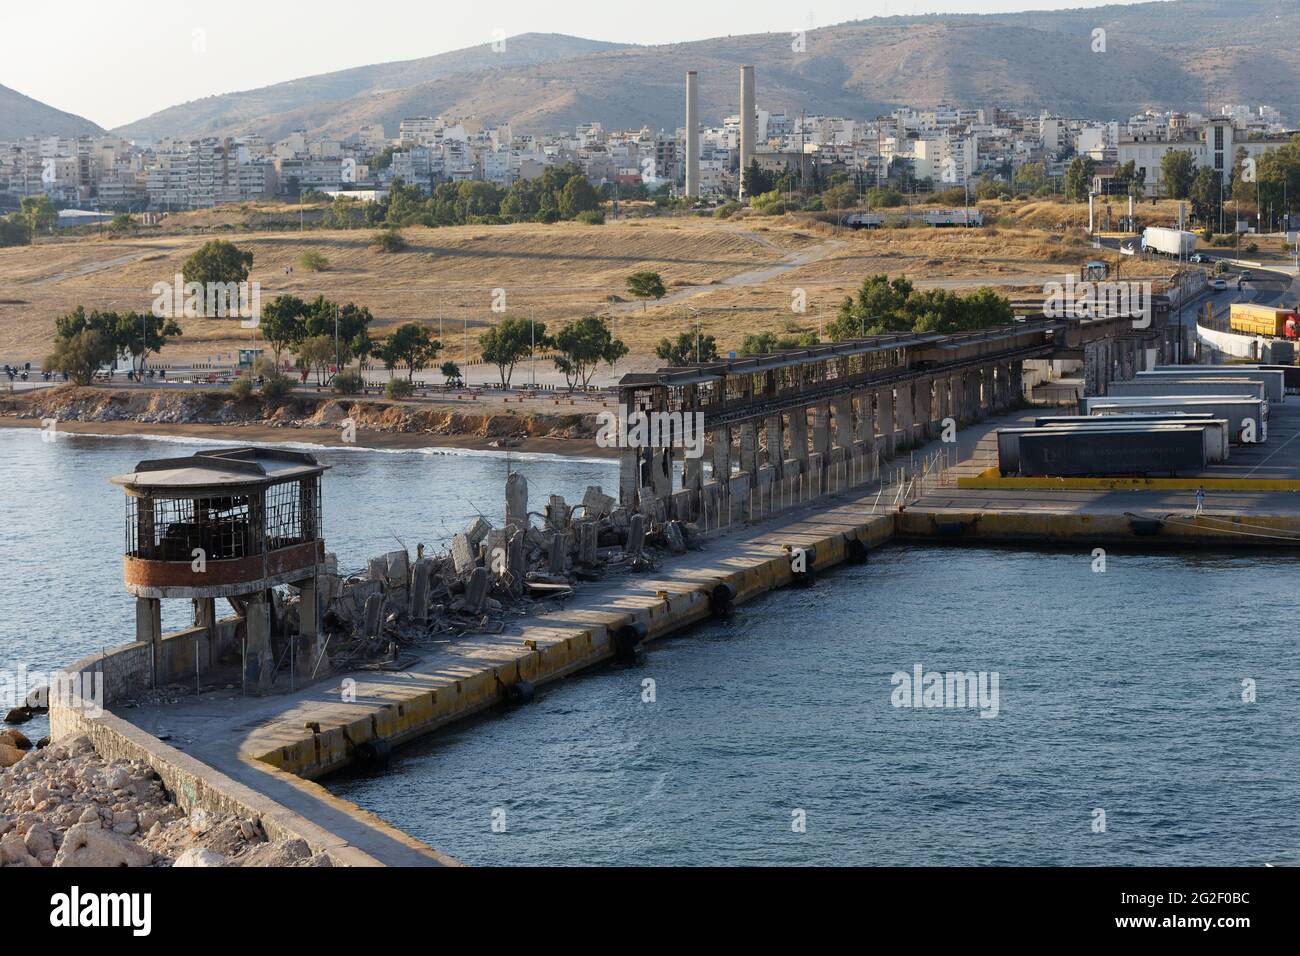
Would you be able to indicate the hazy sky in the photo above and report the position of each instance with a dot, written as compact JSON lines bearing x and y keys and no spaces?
{"x":117,"y":62}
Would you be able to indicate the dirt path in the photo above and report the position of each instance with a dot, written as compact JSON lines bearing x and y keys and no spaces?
{"x":749,"y":277}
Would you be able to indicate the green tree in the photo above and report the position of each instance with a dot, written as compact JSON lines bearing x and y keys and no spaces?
{"x":885,"y":305}
{"x":410,"y":345}
{"x":885,"y":198}
{"x":81,"y":355}
{"x":761,"y":343}
{"x":646,"y":285}
{"x":1078,"y":178}
{"x":582,"y":346}
{"x":511,"y":339}
{"x":389,"y":240}
{"x":878,"y":307}
{"x":143,"y":334}
{"x":38,"y":213}
{"x":577,"y":196}
{"x":316,"y":354}
{"x":755,"y":180}
{"x":1176,"y":169}
{"x":348,"y":324}
{"x":1204,"y":194}
{"x":313,"y":261}
{"x":282,"y":323}
{"x":217,"y":261}
{"x":450,"y":372}
{"x":687,"y":348}
{"x":14,"y":231}
{"x":1030,"y":177}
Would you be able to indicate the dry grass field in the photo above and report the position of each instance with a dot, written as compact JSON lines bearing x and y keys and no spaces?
{"x":732,"y":277}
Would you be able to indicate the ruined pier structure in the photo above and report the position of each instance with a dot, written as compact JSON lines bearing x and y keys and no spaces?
{"x":797,"y":424}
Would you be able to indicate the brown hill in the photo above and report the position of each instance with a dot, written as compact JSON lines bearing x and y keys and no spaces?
{"x":1181,"y":54}
{"x":23,"y":116}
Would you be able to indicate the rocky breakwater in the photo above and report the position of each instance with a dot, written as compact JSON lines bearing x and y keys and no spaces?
{"x":175,"y":406}
{"x":63,"y":805}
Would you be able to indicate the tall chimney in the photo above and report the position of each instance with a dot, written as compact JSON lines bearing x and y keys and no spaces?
{"x":692,"y":136}
{"x":748,"y":122}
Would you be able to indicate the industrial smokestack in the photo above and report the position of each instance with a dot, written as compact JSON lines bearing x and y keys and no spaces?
{"x":692,"y":137}
{"x":748,"y":122}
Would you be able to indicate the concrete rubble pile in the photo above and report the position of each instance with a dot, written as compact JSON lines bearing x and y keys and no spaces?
{"x":490,"y":574}
{"x":64,"y":805}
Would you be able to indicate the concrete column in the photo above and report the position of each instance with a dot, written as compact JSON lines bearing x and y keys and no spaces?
{"x":693,"y":473}
{"x":692,"y":136}
{"x":661,"y":472}
{"x":775,"y":432}
{"x":205,"y":616}
{"x":904,"y":417}
{"x":1092,"y":379}
{"x":821,"y":433}
{"x":928,"y":392}
{"x":629,"y":475}
{"x":517,"y":499}
{"x":1017,"y":381}
{"x":722,"y":454}
{"x":885,"y":420}
{"x":799,"y":434}
{"x":842,"y":422}
{"x":310,"y":645}
{"x":148,"y":628}
{"x":865,"y":423}
{"x":259,"y":659}
{"x":749,"y":451}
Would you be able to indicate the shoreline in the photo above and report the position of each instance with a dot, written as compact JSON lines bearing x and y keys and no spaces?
{"x":324,"y":437}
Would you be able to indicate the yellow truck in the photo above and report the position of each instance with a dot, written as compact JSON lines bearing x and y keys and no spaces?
{"x":1262,"y":320}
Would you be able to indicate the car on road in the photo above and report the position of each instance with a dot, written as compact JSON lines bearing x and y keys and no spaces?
{"x":1246,"y":275}
{"x":1218,"y":285}
{"x":1198,"y":257}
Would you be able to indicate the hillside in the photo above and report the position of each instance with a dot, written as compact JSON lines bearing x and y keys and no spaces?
{"x":259,"y":109}
{"x":23,"y":116}
{"x":1180,"y":54}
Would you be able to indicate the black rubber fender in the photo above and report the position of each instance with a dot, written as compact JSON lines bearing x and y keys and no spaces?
{"x":373,"y":754}
{"x":722,"y":599}
{"x":520,"y":692}
{"x":855,"y":550}
{"x":627,"y":638}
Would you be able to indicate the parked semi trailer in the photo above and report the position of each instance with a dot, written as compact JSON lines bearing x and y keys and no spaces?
{"x":1264,"y":320}
{"x":1171,"y":242}
{"x":1213,"y":432}
{"x":1154,"y":450}
{"x":1273,"y":380}
{"x":1245,"y":415}
{"x":1190,"y":387}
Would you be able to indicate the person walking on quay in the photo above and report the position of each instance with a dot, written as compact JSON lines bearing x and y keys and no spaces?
{"x":1200,"y":499}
